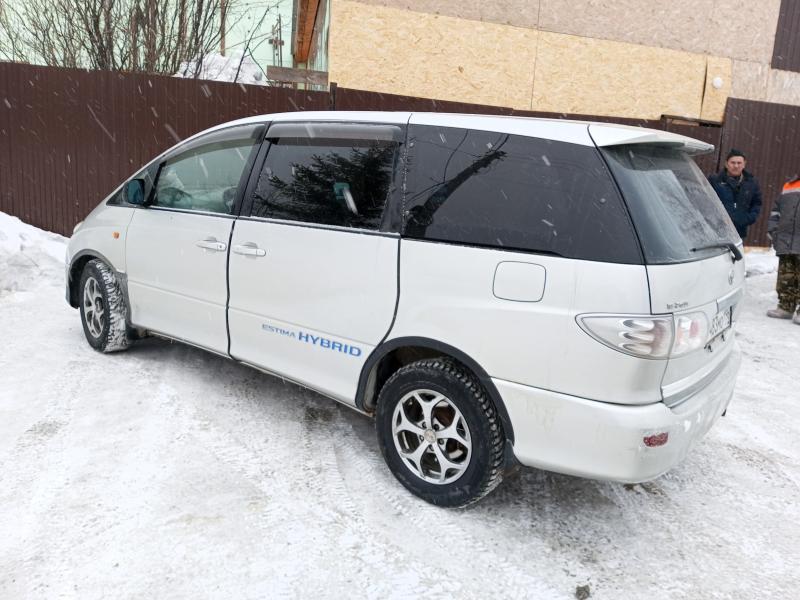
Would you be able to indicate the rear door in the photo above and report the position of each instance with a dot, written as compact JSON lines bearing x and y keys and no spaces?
{"x":313,"y":264}
{"x":686,"y":238}
{"x":177,"y":245}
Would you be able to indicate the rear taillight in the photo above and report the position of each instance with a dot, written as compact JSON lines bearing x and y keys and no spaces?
{"x":691,"y":333}
{"x":657,"y":336}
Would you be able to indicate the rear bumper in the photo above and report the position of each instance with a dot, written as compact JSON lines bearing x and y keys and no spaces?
{"x":594,"y":439}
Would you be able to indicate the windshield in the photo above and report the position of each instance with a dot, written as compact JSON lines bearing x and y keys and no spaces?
{"x":675,"y":210}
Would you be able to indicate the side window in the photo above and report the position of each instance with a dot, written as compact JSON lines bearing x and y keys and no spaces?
{"x":515,"y":192}
{"x":205,"y":175}
{"x":327,"y":173}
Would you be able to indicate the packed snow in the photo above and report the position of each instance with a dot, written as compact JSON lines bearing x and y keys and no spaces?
{"x":232,"y":68}
{"x":760,"y":261}
{"x":168,"y":472}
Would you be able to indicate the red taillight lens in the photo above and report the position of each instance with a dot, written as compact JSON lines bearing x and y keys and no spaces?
{"x":659,"y":439}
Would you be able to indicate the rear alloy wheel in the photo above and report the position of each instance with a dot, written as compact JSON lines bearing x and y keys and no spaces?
{"x":439,"y":433}
{"x":431,"y":436}
{"x":103,"y":310}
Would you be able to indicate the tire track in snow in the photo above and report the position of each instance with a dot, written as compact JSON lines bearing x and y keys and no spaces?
{"x":434,"y":523}
{"x":335,"y":515}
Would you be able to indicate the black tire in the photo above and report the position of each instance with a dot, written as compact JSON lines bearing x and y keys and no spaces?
{"x":106,"y":328}
{"x":485,"y":459}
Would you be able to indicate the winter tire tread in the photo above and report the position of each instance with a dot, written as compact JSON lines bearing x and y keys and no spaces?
{"x":463,"y":493}
{"x":115,"y":335}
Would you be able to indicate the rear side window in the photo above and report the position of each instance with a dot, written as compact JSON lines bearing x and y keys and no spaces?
{"x":515,"y":192}
{"x":675,"y":209}
{"x":327,"y":174}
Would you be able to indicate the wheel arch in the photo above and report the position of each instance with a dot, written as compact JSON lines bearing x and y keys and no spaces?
{"x":395,"y":353}
{"x":76,"y":265}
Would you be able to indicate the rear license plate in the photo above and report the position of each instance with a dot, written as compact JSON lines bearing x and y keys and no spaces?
{"x":720,"y":322}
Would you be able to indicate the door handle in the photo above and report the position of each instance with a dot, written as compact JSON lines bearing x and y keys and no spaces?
{"x":249,"y":249}
{"x":212,"y":244}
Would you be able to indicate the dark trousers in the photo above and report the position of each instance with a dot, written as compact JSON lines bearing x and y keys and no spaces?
{"x":788,"y":285}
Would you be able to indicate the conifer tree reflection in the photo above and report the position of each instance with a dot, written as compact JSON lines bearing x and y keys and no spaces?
{"x":305,"y":189}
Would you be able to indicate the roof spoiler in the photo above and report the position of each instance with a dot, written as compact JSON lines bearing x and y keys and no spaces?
{"x":618,"y":135}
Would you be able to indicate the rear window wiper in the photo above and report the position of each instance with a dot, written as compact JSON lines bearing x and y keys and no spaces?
{"x":732,"y":248}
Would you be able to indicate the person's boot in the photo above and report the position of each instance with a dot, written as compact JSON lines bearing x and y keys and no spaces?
{"x":779,"y":313}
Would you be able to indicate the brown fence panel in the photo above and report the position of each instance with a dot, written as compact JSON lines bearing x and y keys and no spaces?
{"x":786,"y":50}
{"x":768,"y":134}
{"x":68,"y":137}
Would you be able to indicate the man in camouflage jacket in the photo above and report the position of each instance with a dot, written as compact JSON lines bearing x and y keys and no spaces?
{"x":784,"y":230}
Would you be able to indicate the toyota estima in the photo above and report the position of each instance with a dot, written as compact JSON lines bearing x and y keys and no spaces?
{"x":492,"y":290}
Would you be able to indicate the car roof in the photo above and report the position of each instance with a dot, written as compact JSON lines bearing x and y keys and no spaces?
{"x":586,"y":133}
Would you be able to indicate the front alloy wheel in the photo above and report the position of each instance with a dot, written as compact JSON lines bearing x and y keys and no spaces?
{"x":94,"y":308}
{"x":104,"y":314}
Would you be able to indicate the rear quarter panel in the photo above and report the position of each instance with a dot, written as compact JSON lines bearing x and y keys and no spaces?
{"x":446,"y":293}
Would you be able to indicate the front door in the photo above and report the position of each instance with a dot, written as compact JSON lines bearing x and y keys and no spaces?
{"x":313,"y":267}
{"x":177,"y":245}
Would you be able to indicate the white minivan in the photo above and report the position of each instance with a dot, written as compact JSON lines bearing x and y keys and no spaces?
{"x":493,"y":290}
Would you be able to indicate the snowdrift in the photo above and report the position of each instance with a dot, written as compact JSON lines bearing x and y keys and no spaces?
{"x":28,"y":254}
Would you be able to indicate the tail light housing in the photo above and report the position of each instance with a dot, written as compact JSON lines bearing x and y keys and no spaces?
{"x":648,"y":336}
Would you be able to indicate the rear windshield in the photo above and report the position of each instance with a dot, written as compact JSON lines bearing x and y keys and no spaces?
{"x":674,"y":209}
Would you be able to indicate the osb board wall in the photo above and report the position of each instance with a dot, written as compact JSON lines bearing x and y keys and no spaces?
{"x":419,"y":54}
{"x":714,"y":99}
{"x":741,"y":29}
{"x":754,"y":81}
{"x":585,"y":75}
{"x":414,"y":53}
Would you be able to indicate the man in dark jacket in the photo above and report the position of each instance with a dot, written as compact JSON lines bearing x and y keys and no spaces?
{"x":784,"y":231}
{"x":739,"y":192}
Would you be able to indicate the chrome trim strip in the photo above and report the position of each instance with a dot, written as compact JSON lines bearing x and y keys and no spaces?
{"x":730,"y":299}
{"x":200,"y":213}
{"x":676,"y":398}
{"x":355,"y":230}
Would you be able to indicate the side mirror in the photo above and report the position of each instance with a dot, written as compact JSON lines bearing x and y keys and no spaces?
{"x":134,"y":192}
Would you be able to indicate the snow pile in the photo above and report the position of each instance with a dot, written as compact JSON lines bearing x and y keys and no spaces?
{"x":760,"y":261}
{"x":223,"y":68}
{"x":27,"y":254}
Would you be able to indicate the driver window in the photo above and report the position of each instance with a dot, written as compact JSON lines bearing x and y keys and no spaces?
{"x":205,"y":175}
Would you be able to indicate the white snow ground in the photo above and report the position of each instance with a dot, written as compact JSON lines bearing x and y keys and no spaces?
{"x":167,"y":472}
